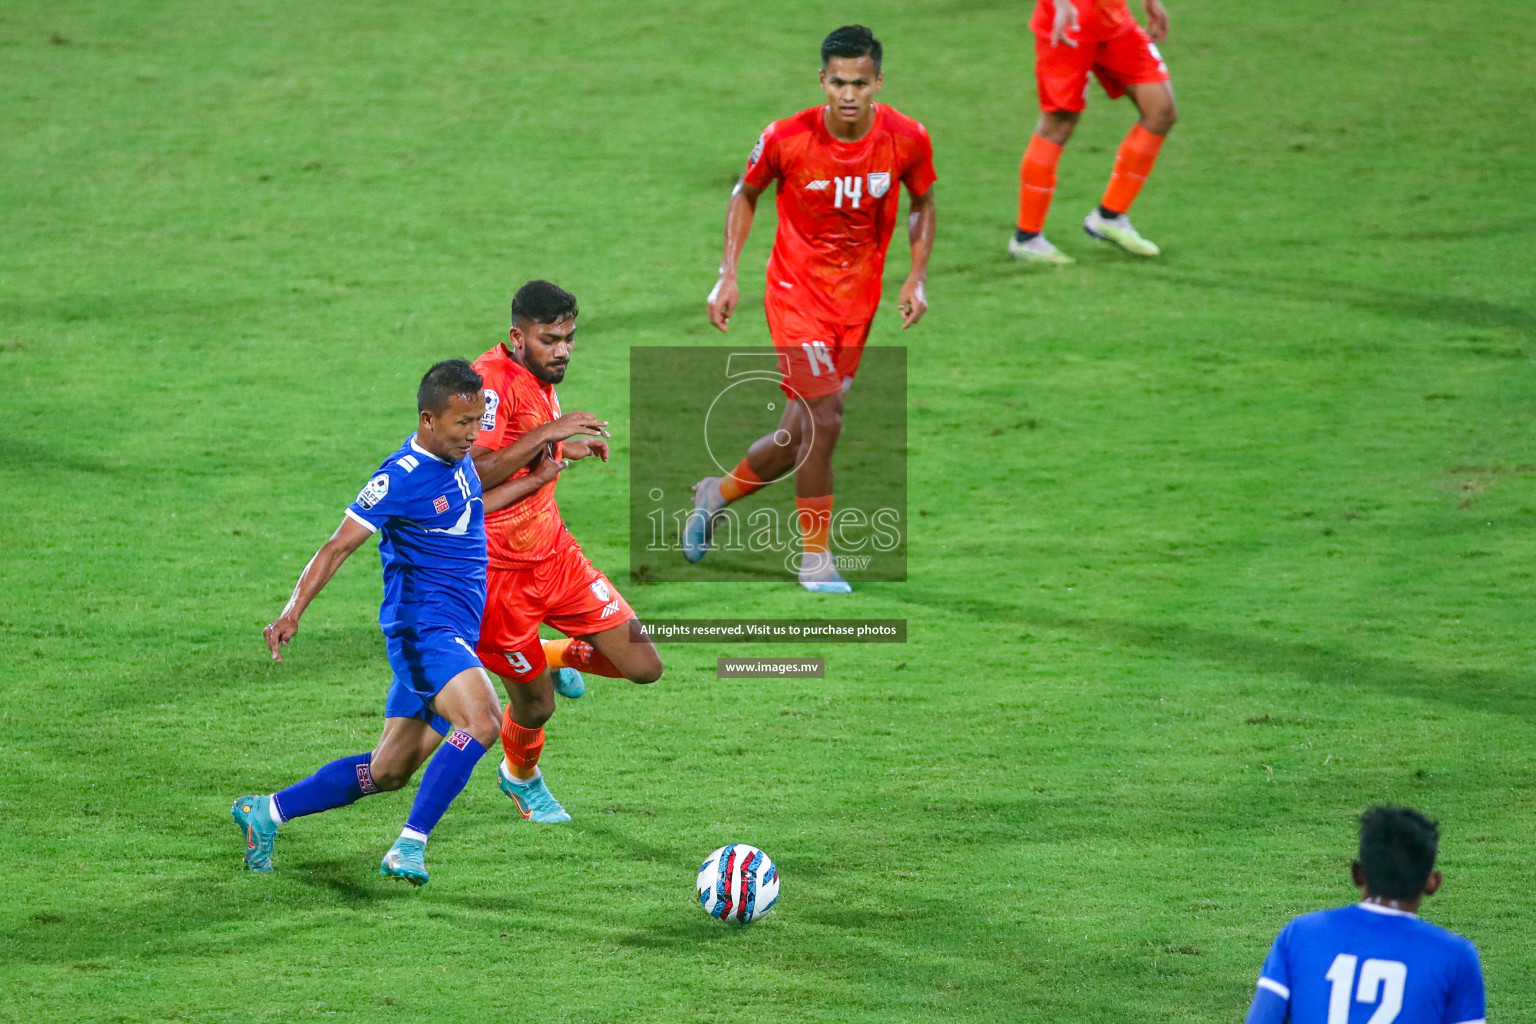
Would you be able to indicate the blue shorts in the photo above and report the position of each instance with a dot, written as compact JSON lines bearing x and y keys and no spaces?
{"x":423,"y":663}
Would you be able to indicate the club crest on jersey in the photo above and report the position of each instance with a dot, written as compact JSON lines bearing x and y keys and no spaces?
{"x":373,"y":491}
{"x":600,"y":590}
{"x":492,"y":403}
{"x":440,"y":504}
{"x":879,"y":183}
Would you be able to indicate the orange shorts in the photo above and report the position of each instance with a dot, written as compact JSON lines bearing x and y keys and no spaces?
{"x":565,"y":590}
{"x":1129,"y":57}
{"x":815,"y":357}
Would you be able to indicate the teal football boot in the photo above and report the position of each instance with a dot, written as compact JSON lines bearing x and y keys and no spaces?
{"x":253,"y":815}
{"x":568,"y":683}
{"x":407,"y":860}
{"x":698,"y":529}
{"x":533,"y":799}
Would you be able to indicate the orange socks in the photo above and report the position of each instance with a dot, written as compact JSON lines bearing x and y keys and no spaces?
{"x":522,"y":746}
{"x":815,"y":518}
{"x":581,"y":656}
{"x":1132,"y":165}
{"x":1037,"y":183}
{"x":740,"y":483}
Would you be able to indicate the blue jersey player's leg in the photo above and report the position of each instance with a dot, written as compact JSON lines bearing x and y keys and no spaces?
{"x":470,"y":702}
{"x":404,"y":745}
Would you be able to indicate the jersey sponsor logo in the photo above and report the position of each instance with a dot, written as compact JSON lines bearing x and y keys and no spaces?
{"x":599,"y":590}
{"x":757,"y":150}
{"x":492,"y":403}
{"x":440,"y":504}
{"x":819,"y":185}
{"x":879,"y":183}
{"x":373,"y":491}
{"x":609,"y":609}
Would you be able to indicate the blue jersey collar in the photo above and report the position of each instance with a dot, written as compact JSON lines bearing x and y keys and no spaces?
{"x":1377,"y":908}
{"x":422,"y":451}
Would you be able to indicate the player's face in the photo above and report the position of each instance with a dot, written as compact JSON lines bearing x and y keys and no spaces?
{"x":450,"y":434}
{"x":850,"y":84}
{"x":545,"y":349}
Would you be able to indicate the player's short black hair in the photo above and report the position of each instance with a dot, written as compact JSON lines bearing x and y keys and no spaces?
{"x":539,"y":302}
{"x":1397,"y":851}
{"x":448,"y":378}
{"x":851,"y":41}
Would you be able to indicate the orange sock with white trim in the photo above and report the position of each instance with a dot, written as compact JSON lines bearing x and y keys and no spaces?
{"x":1133,"y":162}
{"x":1037,"y":183}
{"x":741,"y":482}
{"x":522,"y":746}
{"x":579,"y":655}
{"x":815,"y":520}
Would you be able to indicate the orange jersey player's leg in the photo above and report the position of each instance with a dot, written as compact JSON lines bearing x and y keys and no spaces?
{"x":1061,"y":79}
{"x":609,"y":640}
{"x":1129,"y":62}
{"x":509,"y":646}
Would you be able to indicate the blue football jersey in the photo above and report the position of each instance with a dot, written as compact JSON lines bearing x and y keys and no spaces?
{"x":431,"y":524}
{"x":1368,"y":964}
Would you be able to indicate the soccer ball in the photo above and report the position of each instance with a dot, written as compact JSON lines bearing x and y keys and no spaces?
{"x":738,"y":883}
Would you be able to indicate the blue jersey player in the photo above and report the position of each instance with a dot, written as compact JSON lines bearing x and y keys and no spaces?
{"x":1375,"y":962}
{"x":426,"y":504}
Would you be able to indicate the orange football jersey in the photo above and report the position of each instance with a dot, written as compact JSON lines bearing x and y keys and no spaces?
{"x":837,"y":204}
{"x":516,"y":402}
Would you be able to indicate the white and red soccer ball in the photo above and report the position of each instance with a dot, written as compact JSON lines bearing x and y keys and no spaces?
{"x":738,"y":883}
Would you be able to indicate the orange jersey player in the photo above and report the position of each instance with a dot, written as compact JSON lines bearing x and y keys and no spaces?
{"x":537,"y":571}
{"x":840,"y":169}
{"x":1074,"y":38}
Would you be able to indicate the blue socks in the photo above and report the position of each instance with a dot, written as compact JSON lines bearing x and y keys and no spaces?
{"x":446,"y":776}
{"x":339,"y":783}
{"x":349,"y":779}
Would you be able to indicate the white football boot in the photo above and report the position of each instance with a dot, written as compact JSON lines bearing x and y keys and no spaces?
{"x":1118,"y":230}
{"x":1037,"y":250}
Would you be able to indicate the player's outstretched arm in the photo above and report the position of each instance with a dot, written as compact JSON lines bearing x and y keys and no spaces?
{"x":513,"y":491}
{"x":349,"y":536}
{"x":1157,"y":20}
{"x":922,"y":222}
{"x":495,"y":465}
{"x":724,"y":296}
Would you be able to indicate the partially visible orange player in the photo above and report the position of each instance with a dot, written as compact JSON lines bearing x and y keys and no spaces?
{"x":1072,"y":39}
{"x":839,"y":168}
{"x":537,"y":571}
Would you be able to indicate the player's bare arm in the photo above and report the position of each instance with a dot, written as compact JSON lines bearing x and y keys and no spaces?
{"x":513,"y":491}
{"x":349,"y":536}
{"x":738,"y":224}
{"x":1157,"y":20}
{"x":495,"y":465}
{"x":1064,"y":27}
{"x":922,"y":220}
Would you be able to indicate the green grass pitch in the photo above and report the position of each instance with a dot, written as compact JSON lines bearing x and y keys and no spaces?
{"x":1208,"y":554}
